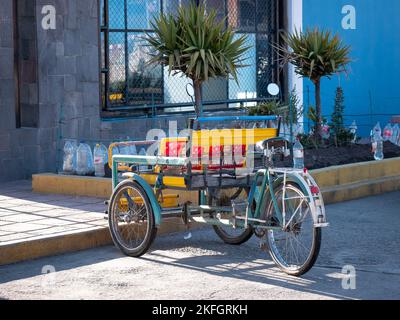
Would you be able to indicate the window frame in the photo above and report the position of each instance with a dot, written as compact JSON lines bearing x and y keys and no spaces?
{"x":277,"y":74}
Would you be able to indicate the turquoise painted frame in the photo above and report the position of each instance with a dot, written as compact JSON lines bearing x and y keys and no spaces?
{"x":271,"y":184}
{"x":257,"y":193}
{"x":143,"y":160}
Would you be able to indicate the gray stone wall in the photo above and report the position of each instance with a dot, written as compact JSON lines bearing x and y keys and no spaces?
{"x":68,"y":95}
{"x":11,"y":150}
{"x":27,"y":61}
{"x":68,"y":74}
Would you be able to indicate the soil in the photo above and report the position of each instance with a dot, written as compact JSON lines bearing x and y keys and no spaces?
{"x":334,"y":156}
{"x":325,"y":157}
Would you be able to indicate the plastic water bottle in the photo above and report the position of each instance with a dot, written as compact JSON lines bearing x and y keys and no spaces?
{"x":377,"y":147}
{"x":124,"y":148}
{"x":387,"y":132}
{"x":90,"y":159}
{"x":69,"y":157}
{"x":325,"y":132}
{"x":298,"y":155}
{"x":353,"y":130}
{"x":100,"y":159}
{"x":115,"y":150}
{"x":84,"y":160}
{"x":142,"y":152}
{"x":132,"y":150}
{"x":395,"y":134}
{"x":376,"y":130}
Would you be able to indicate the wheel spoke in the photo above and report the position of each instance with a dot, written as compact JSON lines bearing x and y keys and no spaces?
{"x":130,"y":226}
{"x":292,"y":247}
{"x":224,"y":197}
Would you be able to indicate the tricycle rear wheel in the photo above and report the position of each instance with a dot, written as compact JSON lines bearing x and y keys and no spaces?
{"x":131,"y":219}
{"x":228,"y":234}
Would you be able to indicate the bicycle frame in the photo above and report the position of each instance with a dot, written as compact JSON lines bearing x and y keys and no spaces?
{"x":260,"y":194}
{"x":302,"y":178}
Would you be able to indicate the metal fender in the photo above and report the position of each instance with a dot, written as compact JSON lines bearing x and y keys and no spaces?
{"x":316,"y":203}
{"x":150,"y":194}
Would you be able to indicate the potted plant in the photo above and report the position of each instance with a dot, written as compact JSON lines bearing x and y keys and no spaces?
{"x":315,"y":54}
{"x":195,"y":44}
{"x":341,"y":136}
{"x":289,"y":112}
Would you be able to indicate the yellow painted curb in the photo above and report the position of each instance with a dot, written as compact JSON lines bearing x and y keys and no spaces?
{"x":89,"y":186}
{"x":357,"y":172}
{"x":350,"y":181}
{"x":361,"y":189}
{"x":47,"y":246}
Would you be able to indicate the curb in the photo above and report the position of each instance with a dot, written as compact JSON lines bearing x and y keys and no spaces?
{"x":340,"y":183}
{"x":360,"y":190}
{"x":48,"y":246}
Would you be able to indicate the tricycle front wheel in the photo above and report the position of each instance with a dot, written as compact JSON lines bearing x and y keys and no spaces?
{"x":131,"y":219}
{"x":294,"y":247}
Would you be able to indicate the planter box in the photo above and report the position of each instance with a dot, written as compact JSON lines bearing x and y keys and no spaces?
{"x":358,"y":180}
{"x":338,"y":183}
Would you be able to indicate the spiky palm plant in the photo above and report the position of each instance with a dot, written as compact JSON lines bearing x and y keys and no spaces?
{"x":194,"y":43}
{"x":315,"y":54}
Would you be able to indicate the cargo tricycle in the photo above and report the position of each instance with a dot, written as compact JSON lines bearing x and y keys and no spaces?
{"x":238,"y":190}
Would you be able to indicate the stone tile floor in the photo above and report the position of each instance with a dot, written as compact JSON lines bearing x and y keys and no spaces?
{"x":25,"y":215}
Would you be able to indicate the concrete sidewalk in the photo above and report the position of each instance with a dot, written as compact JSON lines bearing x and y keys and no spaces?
{"x":25,"y":215}
{"x":34,"y":225}
{"x":363,"y":234}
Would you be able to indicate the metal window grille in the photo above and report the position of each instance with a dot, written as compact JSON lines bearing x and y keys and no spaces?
{"x":129,"y":84}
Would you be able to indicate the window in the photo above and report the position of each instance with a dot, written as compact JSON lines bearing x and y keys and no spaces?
{"x":129,"y":84}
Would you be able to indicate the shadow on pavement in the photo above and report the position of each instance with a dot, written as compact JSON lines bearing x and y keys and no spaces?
{"x":357,"y":236}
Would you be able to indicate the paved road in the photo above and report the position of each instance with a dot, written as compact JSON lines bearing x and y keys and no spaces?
{"x":363,"y":233}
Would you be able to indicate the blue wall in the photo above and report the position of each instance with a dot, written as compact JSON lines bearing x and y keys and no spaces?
{"x":373,"y":80}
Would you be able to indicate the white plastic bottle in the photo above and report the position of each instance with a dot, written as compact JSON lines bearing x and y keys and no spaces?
{"x":298,"y":155}
{"x":90,"y":160}
{"x":115,"y":150}
{"x":387,"y":132}
{"x":395,"y":134}
{"x":376,"y":130}
{"x":353,"y":129}
{"x":100,"y":159}
{"x":142,"y":152}
{"x":124,"y":149}
{"x":131,"y":148}
{"x":82,"y":160}
{"x":377,"y":147}
{"x":325,"y":132}
{"x":68,"y":159}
